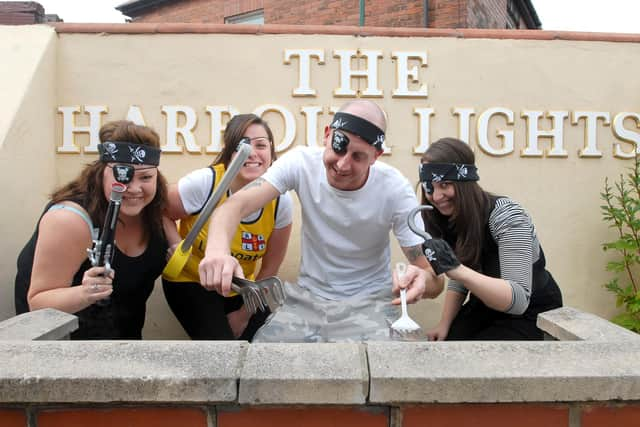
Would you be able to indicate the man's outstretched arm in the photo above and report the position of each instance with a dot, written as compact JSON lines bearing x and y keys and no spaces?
{"x":218,"y":266}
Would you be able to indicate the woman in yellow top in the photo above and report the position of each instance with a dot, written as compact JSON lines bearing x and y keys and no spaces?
{"x":262,"y":235}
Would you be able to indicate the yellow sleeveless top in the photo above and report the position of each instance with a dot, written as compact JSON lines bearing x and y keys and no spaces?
{"x":248,"y":245}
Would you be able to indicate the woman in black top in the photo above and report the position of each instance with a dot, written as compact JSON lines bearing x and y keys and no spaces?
{"x":53,"y":269}
{"x":498,"y":259}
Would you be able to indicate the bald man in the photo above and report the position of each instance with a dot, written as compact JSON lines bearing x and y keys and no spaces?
{"x":350,"y":202}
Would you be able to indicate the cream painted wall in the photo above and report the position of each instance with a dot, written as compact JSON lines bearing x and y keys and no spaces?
{"x":27,"y":138}
{"x":248,"y":71}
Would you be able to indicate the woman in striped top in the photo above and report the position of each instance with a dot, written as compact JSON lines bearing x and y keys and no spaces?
{"x":501,"y":264}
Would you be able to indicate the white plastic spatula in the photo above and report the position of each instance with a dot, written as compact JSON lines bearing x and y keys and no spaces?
{"x":404,"y":323}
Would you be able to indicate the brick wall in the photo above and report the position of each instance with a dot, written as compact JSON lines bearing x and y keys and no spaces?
{"x":435,"y":415}
{"x":198,"y":11}
{"x":394,"y":14}
{"x":320,"y":12}
{"x":378,"y":13}
{"x":21,"y":13}
{"x":487,"y":13}
{"x":447,"y":14}
{"x":382,"y":13}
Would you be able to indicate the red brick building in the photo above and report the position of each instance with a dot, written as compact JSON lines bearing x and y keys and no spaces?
{"x":498,"y":14}
{"x":24,"y":13}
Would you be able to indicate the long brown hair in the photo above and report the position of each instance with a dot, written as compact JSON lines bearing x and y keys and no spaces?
{"x":234,"y":132}
{"x":471,"y":203}
{"x":87,"y":188}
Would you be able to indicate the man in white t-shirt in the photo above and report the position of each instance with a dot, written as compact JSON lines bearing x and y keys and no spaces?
{"x":349,"y":204}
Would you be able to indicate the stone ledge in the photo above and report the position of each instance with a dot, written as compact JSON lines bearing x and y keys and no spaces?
{"x":543,"y":371}
{"x":317,"y":374}
{"x":466,"y":33}
{"x":569,"y":324}
{"x":45,"y":324}
{"x":120,"y":371}
{"x":304,"y":374}
{"x":600,"y":364}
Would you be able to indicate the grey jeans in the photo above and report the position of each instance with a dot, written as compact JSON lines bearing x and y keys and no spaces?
{"x":306,"y":317}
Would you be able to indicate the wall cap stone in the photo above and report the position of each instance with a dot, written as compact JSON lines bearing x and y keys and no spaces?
{"x":45,"y":324}
{"x":120,"y":371}
{"x":592,"y":367}
{"x":305,"y":374}
{"x":569,"y":324}
{"x":540,"y":371}
{"x":462,"y":33}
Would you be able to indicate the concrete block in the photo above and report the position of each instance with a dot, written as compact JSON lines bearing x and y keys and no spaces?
{"x":489,"y":371}
{"x":569,"y":324}
{"x":120,"y":371}
{"x":327,"y":373}
{"x":45,"y":324}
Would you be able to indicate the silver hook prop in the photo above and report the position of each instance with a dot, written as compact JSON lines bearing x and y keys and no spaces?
{"x":411,"y":221}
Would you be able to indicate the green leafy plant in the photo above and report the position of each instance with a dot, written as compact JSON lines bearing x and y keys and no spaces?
{"x":621,"y":210}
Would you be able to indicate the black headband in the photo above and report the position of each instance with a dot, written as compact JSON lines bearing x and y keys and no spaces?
{"x":128,"y":152}
{"x":359,"y":126}
{"x":437,"y":172}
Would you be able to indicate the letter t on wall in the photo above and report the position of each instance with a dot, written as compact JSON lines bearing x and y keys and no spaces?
{"x":304,"y":69}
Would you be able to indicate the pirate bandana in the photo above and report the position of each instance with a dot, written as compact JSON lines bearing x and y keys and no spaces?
{"x":366,"y":130}
{"x":437,"y":172}
{"x":128,"y":152}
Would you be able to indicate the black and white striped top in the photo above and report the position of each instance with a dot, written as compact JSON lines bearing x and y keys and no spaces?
{"x":518,"y":249}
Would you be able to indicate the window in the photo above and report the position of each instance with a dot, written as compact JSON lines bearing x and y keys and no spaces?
{"x":253,"y":17}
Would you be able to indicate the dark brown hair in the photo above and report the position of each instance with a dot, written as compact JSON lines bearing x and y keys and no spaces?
{"x":87,"y":188}
{"x":234,"y":132}
{"x":471,"y":203}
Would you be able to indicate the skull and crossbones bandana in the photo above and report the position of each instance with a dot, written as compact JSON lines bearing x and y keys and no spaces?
{"x":438,"y":172}
{"x":125,"y":155}
{"x":366,"y":130}
{"x":128,"y":152}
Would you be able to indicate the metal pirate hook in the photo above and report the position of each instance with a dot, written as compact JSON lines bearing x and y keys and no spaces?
{"x":411,"y":221}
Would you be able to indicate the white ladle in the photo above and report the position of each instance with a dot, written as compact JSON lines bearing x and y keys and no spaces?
{"x":404,"y":323}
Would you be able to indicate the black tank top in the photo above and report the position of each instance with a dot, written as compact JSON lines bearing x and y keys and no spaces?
{"x":123,"y":317}
{"x":545,"y":293}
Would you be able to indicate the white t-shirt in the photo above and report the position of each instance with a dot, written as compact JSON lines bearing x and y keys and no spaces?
{"x":345,"y":234}
{"x":195,"y":189}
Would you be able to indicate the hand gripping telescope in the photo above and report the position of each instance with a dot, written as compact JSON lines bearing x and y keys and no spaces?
{"x":101,"y":255}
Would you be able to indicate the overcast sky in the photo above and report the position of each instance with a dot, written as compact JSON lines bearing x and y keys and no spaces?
{"x":619,"y":16}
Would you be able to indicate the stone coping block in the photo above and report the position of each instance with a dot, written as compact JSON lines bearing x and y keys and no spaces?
{"x":600,"y":364}
{"x":304,"y":374}
{"x":569,"y":324}
{"x":541,"y":371}
{"x":205,"y":372}
{"x":45,"y":324}
{"x":120,"y":371}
